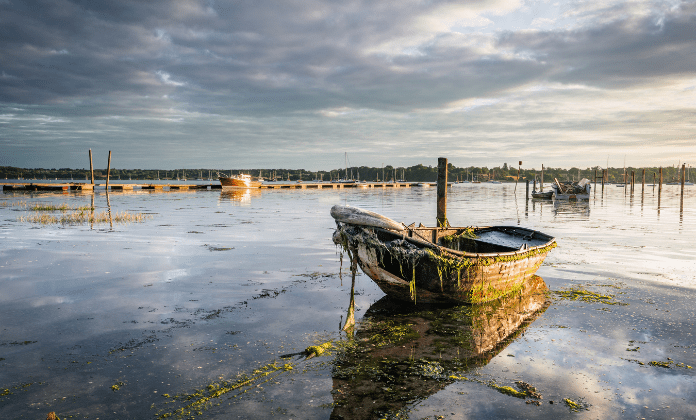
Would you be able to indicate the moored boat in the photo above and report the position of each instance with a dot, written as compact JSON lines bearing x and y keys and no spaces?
{"x":546,"y":195}
{"x":572,"y":190}
{"x":440,"y":265}
{"x":239,"y":181}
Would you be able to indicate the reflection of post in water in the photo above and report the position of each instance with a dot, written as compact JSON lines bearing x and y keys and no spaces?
{"x":681,"y":196}
{"x":642,"y":191}
{"x":526,"y":205}
{"x":108,"y":204}
{"x":91,"y":211}
{"x":404,"y":353}
{"x":659,"y":193}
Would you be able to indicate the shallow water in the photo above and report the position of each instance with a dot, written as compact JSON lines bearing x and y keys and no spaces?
{"x":113,"y":322}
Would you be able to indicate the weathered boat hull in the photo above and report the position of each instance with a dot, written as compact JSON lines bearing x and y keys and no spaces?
{"x":546,"y":195}
{"x":578,"y":194}
{"x":409,"y":267}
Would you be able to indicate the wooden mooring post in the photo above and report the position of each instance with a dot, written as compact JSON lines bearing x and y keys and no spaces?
{"x":633,"y":181}
{"x":527,"y":193}
{"x":108,"y":171}
{"x":595,"y":180}
{"x":642,"y":190}
{"x":442,"y":192}
{"x":659,"y":188}
{"x":91,"y":167}
{"x":683,"y":178}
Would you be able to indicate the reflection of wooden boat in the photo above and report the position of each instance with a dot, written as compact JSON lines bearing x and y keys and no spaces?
{"x":427,"y":264}
{"x":239,"y":181}
{"x":239,"y":194}
{"x":404,"y":354}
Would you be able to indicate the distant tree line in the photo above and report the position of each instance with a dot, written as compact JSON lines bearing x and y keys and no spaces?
{"x":417,"y":173}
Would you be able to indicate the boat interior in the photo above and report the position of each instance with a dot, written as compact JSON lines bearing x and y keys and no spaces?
{"x":480,"y":240}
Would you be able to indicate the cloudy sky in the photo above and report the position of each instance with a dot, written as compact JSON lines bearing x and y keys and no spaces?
{"x":297,"y":83}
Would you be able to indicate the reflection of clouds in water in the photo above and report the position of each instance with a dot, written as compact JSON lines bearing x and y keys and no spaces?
{"x":172,"y":275}
{"x":49,"y":300}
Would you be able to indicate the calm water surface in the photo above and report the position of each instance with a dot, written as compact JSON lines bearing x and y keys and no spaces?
{"x":188,"y":313}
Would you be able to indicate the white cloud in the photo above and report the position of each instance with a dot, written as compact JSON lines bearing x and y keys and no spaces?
{"x":166,"y":79}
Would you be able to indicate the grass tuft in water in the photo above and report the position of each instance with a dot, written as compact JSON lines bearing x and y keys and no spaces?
{"x":83,"y":216}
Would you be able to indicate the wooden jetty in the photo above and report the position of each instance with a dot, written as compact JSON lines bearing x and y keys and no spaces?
{"x":85,"y":186}
{"x":340,"y":185}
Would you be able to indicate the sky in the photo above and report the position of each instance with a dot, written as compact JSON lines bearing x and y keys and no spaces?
{"x":301,"y":84}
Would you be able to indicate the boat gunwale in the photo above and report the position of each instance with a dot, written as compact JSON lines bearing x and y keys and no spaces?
{"x":463,"y":254}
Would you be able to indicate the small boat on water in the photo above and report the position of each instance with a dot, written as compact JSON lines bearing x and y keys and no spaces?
{"x":545,"y":195}
{"x":440,"y":265}
{"x":572,"y":190}
{"x":239,"y":181}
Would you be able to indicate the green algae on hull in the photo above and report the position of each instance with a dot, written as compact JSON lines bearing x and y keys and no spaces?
{"x":413,"y":269}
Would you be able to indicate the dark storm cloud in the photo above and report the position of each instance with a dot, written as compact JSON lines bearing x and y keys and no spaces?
{"x":261,"y":57}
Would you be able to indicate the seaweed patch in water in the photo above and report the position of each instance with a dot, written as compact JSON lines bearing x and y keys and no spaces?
{"x":526,"y":390}
{"x":389,"y":333}
{"x":115,"y":387}
{"x":573,"y":405}
{"x":668,"y":364}
{"x":318,"y":350}
{"x":201,"y":399}
{"x":587,"y":296}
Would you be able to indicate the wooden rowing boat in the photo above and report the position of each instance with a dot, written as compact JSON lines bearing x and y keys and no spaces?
{"x":439,"y":265}
{"x":545,"y":195}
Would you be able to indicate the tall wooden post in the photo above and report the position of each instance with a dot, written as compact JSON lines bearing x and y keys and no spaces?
{"x":633,"y":180}
{"x":643,"y":187}
{"x":595,"y":180}
{"x":108,"y":171}
{"x":659,"y":188}
{"x":91,"y":167}
{"x":527,"y":193}
{"x":442,"y":192}
{"x":604,"y":176}
{"x":541,"y":187}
